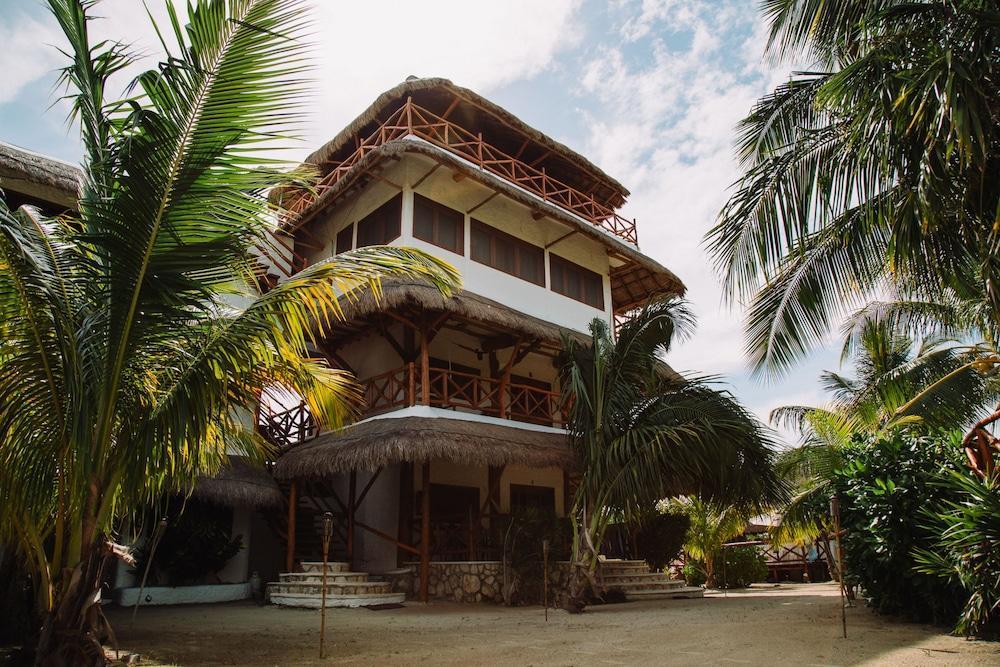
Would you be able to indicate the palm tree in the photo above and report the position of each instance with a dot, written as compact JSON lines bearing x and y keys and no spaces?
{"x":711,"y":526}
{"x":876,"y":172}
{"x":133,"y":336}
{"x":896,"y":383}
{"x":642,"y":433}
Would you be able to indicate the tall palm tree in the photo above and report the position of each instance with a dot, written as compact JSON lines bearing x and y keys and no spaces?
{"x":132,"y":336}
{"x":879,"y":171}
{"x":642,"y":433}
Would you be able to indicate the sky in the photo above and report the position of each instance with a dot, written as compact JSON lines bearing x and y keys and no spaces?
{"x":649,"y":90}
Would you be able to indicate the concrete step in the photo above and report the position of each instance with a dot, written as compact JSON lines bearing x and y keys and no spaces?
{"x":638,"y":576}
{"x":668,"y":594}
{"x":348,"y":588}
{"x":313,"y":601}
{"x":663,"y":585}
{"x":310,"y":566}
{"x":317,"y":577}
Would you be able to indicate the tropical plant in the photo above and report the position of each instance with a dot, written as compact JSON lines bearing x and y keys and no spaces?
{"x":896,"y":383}
{"x":643,"y":433}
{"x":660,"y":538}
{"x":965,"y":550}
{"x":740,"y":566}
{"x":132,"y":335}
{"x":885,"y":485}
{"x":876,"y":172}
{"x":711,"y":525}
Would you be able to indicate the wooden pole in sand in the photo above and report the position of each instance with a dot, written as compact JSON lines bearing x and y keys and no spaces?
{"x":327,"y":534}
{"x":835,"y":511}
{"x":545,"y":577}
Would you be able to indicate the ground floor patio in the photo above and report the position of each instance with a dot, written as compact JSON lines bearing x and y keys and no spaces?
{"x":789,"y":625}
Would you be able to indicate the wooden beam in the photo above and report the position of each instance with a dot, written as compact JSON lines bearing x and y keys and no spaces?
{"x":351,"y":507}
{"x":517,"y":155}
{"x":451,"y":107}
{"x":437,"y":165}
{"x":389,"y":538}
{"x":425,"y":532}
{"x":425,"y":370}
{"x":562,"y":238}
{"x":537,"y":160}
{"x":483,"y":203}
{"x":293,"y":501}
{"x":368,"y":486}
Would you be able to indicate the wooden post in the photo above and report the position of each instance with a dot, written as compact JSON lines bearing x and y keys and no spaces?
{"x":411,"y":396}
{"x":425,"y":369}
{"x":425,"y":532}
{"x":351,"y":507}
{"x":293,"y":500}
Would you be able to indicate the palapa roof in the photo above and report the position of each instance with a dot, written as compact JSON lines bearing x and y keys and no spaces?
{"x":631,"y":284}
{"x":374,"y":443}
{"x":401,"y":294}
{"x":476,"y":113}
{"x":239,"y":484}
{"x":37,"y":176}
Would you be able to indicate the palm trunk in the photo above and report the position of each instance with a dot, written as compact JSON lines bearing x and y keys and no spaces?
{"x":73,"y":631}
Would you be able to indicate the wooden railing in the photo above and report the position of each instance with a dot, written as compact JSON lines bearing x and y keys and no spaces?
{"x":398,"y":388}
{"x":284,"y":429}
{"x":413,"y":120}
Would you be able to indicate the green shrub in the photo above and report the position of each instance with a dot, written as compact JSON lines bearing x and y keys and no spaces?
{"x":694,"y":573}
{"x":966,"y":549}
{"x":884,"y":487}
{"x":523,"y":553}
{"x":738,"y":567}
{"x":660,"y":539}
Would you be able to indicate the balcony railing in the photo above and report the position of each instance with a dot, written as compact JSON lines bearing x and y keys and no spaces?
{"x":399,"y":388}
{"x":413,"y":120}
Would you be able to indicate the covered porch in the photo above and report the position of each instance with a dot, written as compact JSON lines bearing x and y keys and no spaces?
{"x":421,"y":484}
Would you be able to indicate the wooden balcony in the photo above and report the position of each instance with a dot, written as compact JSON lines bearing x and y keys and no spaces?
{"x":413,"y":120}
{"x":465,"y":392}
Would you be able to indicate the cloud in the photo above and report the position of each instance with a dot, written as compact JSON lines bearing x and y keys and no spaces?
{"x":27,"y":54}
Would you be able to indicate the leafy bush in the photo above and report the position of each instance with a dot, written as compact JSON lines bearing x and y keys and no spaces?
{"x":660,"y":539}
{"x":884,"y":487}
{"x":694,"y":573}
{"x":193,"y":547}
{"x":738,"y":567}
{"x":966,"y":551}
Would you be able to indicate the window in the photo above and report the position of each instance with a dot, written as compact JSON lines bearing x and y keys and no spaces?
{"x":507,"y":253}
{"x":576,"y":282}
{"x":381,"y":225}
{"x":345,"y":239}
{"x":438,"y":224}
{"x":524,"y":497}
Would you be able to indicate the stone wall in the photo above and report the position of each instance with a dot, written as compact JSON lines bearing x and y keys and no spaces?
{"x":463,"y":581}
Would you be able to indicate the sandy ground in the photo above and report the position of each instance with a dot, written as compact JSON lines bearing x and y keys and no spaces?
{"x":788,"y":625}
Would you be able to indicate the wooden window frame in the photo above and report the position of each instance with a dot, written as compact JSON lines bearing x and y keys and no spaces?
{"x":583,"y":272}
{"x":397,"y":202}
{"x":519,"y":245}
{"x":439,"y":208}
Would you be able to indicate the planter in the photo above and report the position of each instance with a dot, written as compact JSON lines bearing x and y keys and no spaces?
{"x":201,"y":594}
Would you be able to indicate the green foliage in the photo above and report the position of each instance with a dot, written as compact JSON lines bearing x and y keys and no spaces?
{"x":965,"y":551}
{"x":661,"y":537}
{"x":523,"y":551}
{"x":738,"y":567}
{"x":694,"y":573}
{"x":710,"y":527}
{"x":194,"y":546}
{"x":886,"y":484}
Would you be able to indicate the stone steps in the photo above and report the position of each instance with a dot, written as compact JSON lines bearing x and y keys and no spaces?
{"x":643,"y":576}
{"x":668,"y":594}
{"x":344,"y":588}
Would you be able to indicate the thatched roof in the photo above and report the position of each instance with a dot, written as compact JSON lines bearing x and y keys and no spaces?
{"x":400,"y":294}
{"x":634,"y":283}
{"x":475,"y":112}
{"x":240,"y":484}
{"x":372,"y":444}
{"x":37,"y":176}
